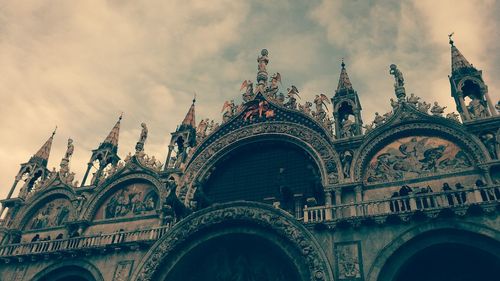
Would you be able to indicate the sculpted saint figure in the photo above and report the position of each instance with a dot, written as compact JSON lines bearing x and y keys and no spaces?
{"x":70,"y":149}
{"x":144,"y":133}
{"x":437,"y":110}
{"x":398,"y":76}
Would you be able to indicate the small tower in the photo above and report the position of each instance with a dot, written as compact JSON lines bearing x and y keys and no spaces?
{"x":182,"y":139}
{"x":34,"y":170}
{"x":468,"y":88}
{"x":106,"y":154}
{"x":346,"y":108}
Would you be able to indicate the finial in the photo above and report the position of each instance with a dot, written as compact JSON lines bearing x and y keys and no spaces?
{"x":54,"y":132}
{"x":451,"y":40}
{"x":264,"y":52}
{"x":343,"y":64}
{"x":194,"y":98}
{"x":121,"y":116}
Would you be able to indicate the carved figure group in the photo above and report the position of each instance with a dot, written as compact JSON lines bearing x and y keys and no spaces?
{"x":320,"y":101}
{"x":128,"y":202}
{"x":292,"y":101}
{"x":477,"y":109}
{"x":437,"y":110}
{"x":415,"y":156}
{"x":228,"y":110}
{"x":53,"y":214}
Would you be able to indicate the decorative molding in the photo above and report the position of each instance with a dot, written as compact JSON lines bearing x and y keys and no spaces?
{"x":123,"y":270}
{"x":252,"y":213}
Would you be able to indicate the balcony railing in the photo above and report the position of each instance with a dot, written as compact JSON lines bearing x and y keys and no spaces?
{"x":84,"y":242}
{"x":403,"y":205}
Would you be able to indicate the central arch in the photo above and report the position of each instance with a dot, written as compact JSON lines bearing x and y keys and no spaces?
{"x":234,"y":238}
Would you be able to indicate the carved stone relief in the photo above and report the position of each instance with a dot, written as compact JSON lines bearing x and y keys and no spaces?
{"x":132,"y":200}
{"x":123,"y":270}
{"x":413,"y":157}
{"x":52,"y":214}
{"x":349,"y":262}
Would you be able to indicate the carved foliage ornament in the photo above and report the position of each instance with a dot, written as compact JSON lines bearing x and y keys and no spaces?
{"x":328,"y":157}
{"x":278,"y":223}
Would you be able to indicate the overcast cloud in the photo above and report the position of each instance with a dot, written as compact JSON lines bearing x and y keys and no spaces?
{"x":79,"y":64}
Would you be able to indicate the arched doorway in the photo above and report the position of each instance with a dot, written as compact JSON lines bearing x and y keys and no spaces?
{"x":236,"y":241}
{"x":454,"y":262}
{"x":69,"y":272}
{"x":235,"y":257}
{"x":444,"y":255}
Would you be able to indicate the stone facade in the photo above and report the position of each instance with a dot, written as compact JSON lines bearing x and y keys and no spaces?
{"x":277,"y":191}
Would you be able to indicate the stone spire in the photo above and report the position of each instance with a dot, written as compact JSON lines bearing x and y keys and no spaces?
{"x":346,"y":107}
{"x":113,"y":136}
{"x":190,"y":120}
{"x":43,"y":153}
{"x":458,"y":61}
{"x":344,"y":81}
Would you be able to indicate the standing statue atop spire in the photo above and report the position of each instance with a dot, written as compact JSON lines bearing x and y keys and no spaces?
{"x":262,"y":75}
{"x":142,"y":138}
{"x":400,"y":82}
{"x":70,"y":149}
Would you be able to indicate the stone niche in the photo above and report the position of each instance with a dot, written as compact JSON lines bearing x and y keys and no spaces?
{"x":53,"y":214}
{"x":415,"y":157}
{"x":131,"y":200}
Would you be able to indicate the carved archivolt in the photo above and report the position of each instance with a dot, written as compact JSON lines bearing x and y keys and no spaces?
{"x":470,"y":146}
{"x":94,"y":202}
{"x":319,"y":148}
{"x":250,"y":213}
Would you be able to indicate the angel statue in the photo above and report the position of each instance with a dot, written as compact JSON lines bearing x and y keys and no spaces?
{"x":273,"y":88}
{"x":292,"y":101}
{"x":319,"y":101}
{"x":248,"y":95}
{"x":70,"y":149}
{"x":398,"y":76}
{"x":201,"y":130}
{"x":228,"y":110}
{"x":437,"y":110}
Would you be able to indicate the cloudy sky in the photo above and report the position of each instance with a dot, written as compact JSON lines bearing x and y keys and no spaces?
{"x":79,"y":64}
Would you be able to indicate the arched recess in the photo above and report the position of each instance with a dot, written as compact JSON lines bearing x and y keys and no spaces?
{"x":75,"y":270}
{"x":470,"y":145}
{"x":395,"y":258}
{"x":287,"y":238}
{"x":318,"y":147}
{"x":38,"y":203}
{"x":95,"y":203}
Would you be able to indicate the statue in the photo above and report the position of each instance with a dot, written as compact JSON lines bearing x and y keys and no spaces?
{"x":379,"y":120}
{"x":262,"y":60}
{"x":144,"y":133}
{"x":453,"y":116}
{"x":398,"y":76}
{"x":423,"y":106}
{"x":306,"y":108}
{"x":273,"y":88}
{"x":201,"y":130}
{"x":437,"y":110}
{"x":477,"y":109}
{"x":368,"y":128}
{"x":394,"y":104}
{"x":346,"y":131}
{"x":292,"y":101}
{"x":319,"y":101}
{"x":413,"y":100}
{"x":346,"y":160}
{"x":228,"y":110}
{"x":490,"y":143}
{"x":329,"y":125}
{"x":249,"y":94}
{"x":69,"y":150}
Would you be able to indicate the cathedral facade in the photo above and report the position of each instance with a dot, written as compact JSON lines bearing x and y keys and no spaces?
{"x":277,"y":191}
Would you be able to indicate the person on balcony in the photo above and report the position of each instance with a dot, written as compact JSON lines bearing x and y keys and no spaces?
{"x":448,"y":190}
{"x":461,"y":196}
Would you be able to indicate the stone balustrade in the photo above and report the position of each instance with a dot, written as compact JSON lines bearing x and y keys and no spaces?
{"x":96,"y":241}
{"x":405,"y":205}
